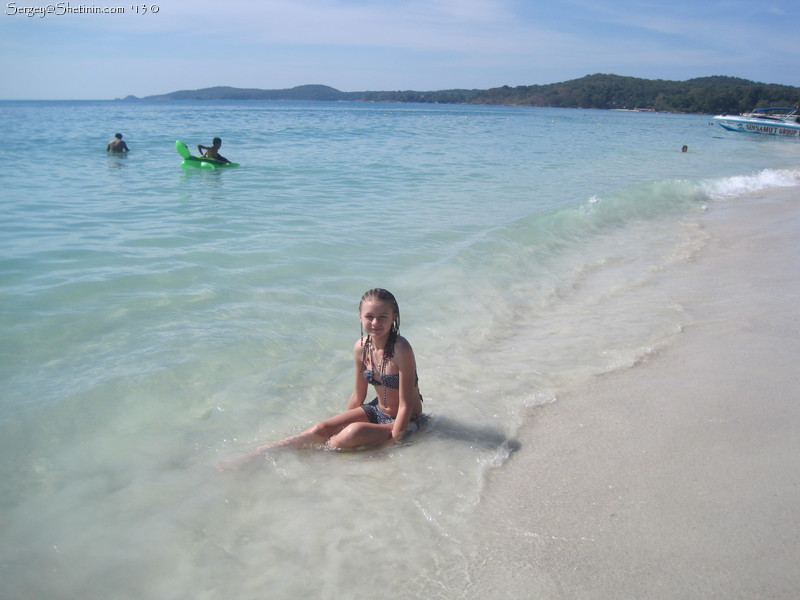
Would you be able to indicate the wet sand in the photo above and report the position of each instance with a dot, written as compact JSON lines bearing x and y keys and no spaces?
{"x":680,"y":477}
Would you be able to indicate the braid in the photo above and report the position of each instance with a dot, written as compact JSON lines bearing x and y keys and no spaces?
{"x":388,"y":350}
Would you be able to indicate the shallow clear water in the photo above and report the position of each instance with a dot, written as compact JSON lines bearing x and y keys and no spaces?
{"x":157,"y":319}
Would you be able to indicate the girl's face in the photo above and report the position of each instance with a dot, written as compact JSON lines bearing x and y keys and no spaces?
{"x":377,"y":317}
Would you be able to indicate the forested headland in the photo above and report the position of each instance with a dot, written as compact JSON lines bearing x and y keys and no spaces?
{"x":708,"y":95}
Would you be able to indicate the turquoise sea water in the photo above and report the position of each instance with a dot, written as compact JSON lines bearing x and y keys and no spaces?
{"x":156,"y":320}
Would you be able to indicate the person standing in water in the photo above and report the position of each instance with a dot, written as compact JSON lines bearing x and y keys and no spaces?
{"x":384,"y":359}
{"x":117,"y":145}
{"x":213,"y":150}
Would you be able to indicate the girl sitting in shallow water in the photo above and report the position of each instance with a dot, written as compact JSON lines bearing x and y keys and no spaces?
{"x":385,"y":360}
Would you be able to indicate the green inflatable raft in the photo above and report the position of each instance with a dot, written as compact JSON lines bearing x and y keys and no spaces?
{"x":200,"y":162}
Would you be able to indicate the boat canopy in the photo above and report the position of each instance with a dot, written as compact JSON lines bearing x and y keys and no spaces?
{"x":784,"y":109}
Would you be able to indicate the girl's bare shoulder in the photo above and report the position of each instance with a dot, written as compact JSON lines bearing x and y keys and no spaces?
{"x":402,"y":347}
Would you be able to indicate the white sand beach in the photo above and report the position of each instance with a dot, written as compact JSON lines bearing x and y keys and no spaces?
{"x":680,"y":477}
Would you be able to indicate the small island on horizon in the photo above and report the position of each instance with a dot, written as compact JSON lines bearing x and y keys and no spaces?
{"x":708,"y":95}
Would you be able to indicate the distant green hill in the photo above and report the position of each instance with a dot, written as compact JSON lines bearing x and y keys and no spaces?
{"x":303,"y":92}
{"x":316,"y":92}
{"x":711,"y":95}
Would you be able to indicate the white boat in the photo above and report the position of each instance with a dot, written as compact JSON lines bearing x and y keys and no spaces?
{"x":770,"y":121}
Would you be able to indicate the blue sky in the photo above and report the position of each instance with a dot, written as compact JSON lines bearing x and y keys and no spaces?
{"x":358,"y":45}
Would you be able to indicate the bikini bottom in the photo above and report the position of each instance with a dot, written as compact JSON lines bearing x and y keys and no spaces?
{"x":377,"y":416}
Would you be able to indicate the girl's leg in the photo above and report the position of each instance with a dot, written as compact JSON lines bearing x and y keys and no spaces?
{"x":361,"y":434}
{"x":320,"y":433}
{"x":349,"y":429}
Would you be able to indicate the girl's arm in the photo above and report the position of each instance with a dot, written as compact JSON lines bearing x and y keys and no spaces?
{"x":404,"y":357}
{"x":360,"y":384}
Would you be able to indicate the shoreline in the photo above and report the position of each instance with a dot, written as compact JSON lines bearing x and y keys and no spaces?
{"x":679,"y":477}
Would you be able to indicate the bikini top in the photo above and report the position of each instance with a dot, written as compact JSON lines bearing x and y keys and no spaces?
{"x":389,"y":380}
